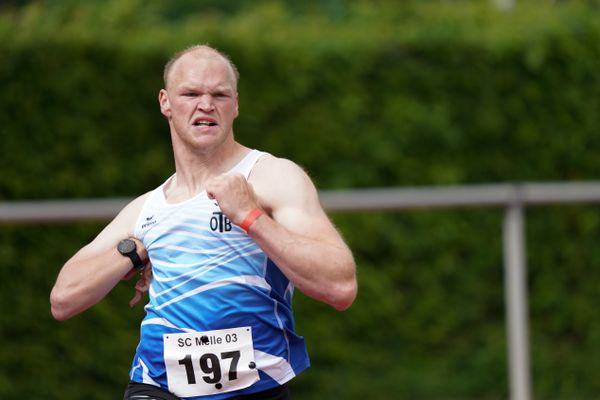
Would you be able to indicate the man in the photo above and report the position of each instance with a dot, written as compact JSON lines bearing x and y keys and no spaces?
{"x":226,"y":238}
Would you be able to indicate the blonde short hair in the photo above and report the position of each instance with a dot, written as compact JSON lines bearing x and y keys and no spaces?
{"x":203,"y":48}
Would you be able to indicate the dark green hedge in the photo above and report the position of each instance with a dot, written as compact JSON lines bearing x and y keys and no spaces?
{"x":363,"y":94}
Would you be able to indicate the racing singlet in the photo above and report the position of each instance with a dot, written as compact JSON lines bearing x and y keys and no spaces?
{"x":219,"y":319}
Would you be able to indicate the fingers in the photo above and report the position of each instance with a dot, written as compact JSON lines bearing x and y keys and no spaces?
{"x":219,"y":185}
{"x":234,"y":195}
{"x":142,"y":285}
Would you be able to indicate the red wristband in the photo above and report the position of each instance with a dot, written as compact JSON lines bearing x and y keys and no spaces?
{"x":250,"y":218}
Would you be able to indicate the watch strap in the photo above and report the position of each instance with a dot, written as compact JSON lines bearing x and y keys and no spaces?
{"x":128,"y":248}
{"x":138,"y":264}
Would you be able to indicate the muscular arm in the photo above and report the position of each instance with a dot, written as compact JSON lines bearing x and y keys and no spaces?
{"x":88,"y":276}
{"x":294,"y":232}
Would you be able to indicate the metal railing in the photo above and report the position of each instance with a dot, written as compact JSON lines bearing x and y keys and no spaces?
{"x":513,"y":197}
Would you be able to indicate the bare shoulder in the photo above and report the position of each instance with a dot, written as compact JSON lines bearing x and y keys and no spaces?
{"x":279,"y":182}
{"x":271,"y":168}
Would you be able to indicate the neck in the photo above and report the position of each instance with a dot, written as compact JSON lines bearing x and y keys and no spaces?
{"x":193,"y":168}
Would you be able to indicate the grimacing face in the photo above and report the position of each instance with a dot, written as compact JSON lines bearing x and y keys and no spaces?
{"x":200,"y":100}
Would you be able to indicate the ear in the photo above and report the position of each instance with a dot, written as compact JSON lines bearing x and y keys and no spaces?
{"x":165,"y":105}
{"x":237,"y":105}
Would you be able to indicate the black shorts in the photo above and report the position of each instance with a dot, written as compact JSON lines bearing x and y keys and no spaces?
{"x":142,"y":391}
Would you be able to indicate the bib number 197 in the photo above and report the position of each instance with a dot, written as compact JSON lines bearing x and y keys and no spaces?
{"x":210,"y":362}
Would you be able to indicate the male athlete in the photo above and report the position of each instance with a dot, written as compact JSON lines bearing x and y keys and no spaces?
{"x":221,"y":244}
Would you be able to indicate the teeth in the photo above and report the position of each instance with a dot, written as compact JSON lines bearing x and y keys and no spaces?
{"x":204,"y":123}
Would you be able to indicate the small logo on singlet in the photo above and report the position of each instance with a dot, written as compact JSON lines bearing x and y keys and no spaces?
{"x":219,"y":222}
{"x":149,"y":222}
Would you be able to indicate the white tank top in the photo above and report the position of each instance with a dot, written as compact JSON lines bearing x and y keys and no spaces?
{"x":208,"y":274}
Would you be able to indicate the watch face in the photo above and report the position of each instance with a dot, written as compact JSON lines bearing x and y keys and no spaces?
{"x":126,"y":246}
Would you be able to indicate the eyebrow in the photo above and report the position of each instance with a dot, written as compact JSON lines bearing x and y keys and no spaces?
{"x":220,"y":89}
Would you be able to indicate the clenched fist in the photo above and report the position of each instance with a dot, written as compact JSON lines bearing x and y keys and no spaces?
{"x":234,"y":194}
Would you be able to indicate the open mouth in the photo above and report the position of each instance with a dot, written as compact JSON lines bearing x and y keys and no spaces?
{"x":204,"y":122}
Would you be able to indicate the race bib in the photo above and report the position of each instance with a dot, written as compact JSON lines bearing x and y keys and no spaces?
{"x":203,"y":363}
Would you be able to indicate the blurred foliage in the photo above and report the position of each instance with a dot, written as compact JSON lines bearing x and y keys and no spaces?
{"x":363,"y":94}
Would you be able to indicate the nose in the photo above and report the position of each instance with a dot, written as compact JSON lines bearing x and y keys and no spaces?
{"x":205,"y":103}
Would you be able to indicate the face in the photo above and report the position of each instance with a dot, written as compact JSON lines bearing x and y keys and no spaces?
{"x":200,"y":101}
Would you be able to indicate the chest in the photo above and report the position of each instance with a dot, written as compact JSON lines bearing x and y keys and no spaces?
{"x":194,"y":239}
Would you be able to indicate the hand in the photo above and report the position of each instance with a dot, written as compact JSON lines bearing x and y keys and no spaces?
{"x":142,"y":285}
{"x":234,"y":194}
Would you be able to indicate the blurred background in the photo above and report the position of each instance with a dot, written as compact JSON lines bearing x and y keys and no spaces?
{"x":362,"y":94}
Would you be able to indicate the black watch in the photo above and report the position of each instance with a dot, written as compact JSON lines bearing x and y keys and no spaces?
{"x":128,"y":248}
